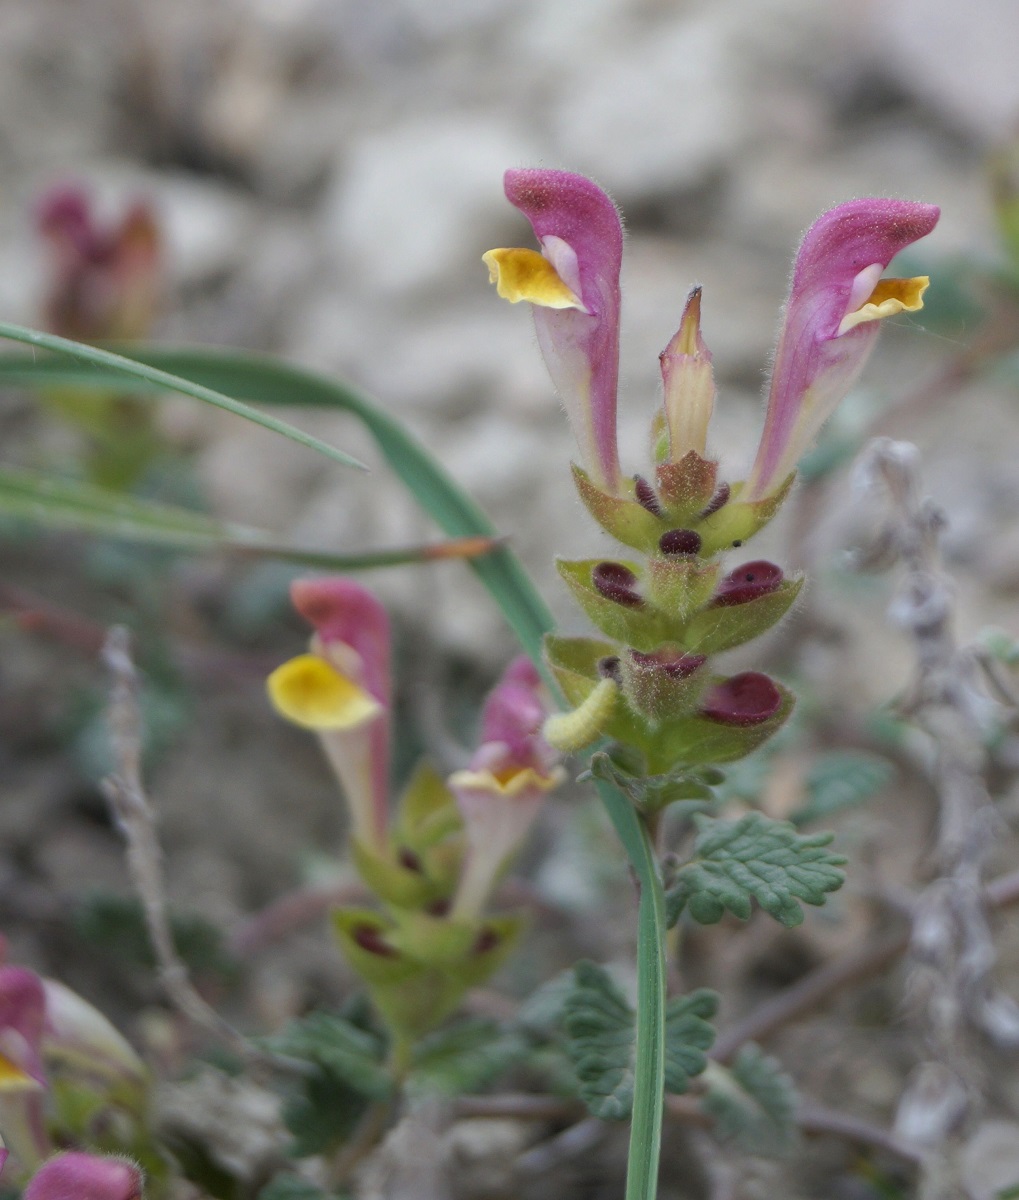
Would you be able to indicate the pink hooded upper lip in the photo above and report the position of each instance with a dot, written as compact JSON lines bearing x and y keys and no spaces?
{"x":811,"y":353}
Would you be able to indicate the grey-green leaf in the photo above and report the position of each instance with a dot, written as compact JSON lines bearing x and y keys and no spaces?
{"x":753,"y":858}
{"x":688,"y":1034}
{"x":464,"y":1057}
{"x":839,"y":781}
{"x":600,"y":1028}
{"x":341,"y":1049}
{"x":753,"y":1103}
{"x":293,"y":1187}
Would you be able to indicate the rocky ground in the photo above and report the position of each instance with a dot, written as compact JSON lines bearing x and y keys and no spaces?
{"x":328,"y":173}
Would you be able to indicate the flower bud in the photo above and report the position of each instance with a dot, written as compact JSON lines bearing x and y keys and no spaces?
{"x":78,"y":1176}
{"x":689,"y":384}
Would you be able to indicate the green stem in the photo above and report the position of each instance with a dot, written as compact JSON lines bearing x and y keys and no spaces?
{"x":649,"y":1067}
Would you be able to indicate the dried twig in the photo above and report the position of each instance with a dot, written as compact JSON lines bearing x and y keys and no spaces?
{"x":136,"y":821}
{"x":952,"y":951}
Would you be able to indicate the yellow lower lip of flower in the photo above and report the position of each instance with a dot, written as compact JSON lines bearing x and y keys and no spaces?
{"x":14,"y":1079}
{"x":508,"y":783}
{"x":889,"y":297}
{"x":521,"y":274}
{"x":314,"y":695}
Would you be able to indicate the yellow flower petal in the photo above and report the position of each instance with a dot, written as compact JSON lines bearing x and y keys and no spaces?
{"x":310,"y":692}
{"x":521,"y":274}
{"x":889,"y":297}
{"x":14,"y":1079}
{"x":508,"y":783}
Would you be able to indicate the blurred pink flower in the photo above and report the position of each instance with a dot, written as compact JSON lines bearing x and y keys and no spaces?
{"x":341,"y":689}
{"x":105,"y":280}
{"x":78,"y":1176}
{"x":502,"y":789}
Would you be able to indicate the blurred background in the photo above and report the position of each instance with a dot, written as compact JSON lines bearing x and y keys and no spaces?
{"x":328,"y":172}
{"x":325,"y":175}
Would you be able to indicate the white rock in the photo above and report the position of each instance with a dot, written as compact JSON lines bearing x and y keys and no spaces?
{"x":958,"y":58}
{"x":418,"y":195}
{"x":657,"y":115}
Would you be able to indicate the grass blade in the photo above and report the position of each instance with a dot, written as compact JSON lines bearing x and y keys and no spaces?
{"x":73,"y":504}
{"x":263,"y":380}
{"x":116,"y":369}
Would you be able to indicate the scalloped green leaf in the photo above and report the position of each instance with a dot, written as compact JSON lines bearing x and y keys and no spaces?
{"x":753,"y":858}
{"x":753,"y":1103}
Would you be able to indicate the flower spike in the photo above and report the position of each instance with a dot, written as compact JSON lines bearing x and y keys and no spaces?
{"x":574,"y":288}
{"x":836,"y":303}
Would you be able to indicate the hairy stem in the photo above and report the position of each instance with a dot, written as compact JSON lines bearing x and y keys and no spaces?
{"x":649,"y":1067}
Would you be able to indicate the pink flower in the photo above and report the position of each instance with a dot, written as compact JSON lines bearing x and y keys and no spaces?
{"x":77,"y":1176}
{"x":341,"y":689}
{"x":573,"y":285}
{"x":105,"y":279}
{"x":45,"y":1025}
{"x":22,"y":1075}
{"x":504,"y":785}
{"x":836,"y":303}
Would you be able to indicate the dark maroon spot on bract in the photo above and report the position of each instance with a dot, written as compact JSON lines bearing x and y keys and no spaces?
{"x":717,"y":500}
{"x":747,"y":582}
{"x":370,"y":939}
{"x":608,"y":667}
{"x":617,"y":583}
{"x":680,"y":541}
{"x":676,"y":666}
{"x":438,"y":908}
{"x":646,"y":496}
{"x":486,"y":940}
{"x":747,"y":699}
{"x":407,"y":858}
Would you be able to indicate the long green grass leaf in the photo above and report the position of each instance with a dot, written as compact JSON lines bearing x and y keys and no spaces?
{"x":72,"y":504}
{"x":263,"y":380}
{"x":115,"y":369}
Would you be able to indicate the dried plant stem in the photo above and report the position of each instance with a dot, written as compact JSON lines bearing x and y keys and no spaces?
{"x":951,"y":948}
{"x":136,"y":821}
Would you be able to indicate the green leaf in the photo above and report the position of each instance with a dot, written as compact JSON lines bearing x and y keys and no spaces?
{"x":264,"y":380}
{"x":753,"y":858}
{"x":293,"y":1187}
{"x":326,"y":1105}
{"x":600,"y":1029}
{"x":600,"y":1026}
{"x":321,"y":1113}
{"x":753,"y":1103}
{"x":688,"y":1033}
{"x":117,"y":923}
{"x":343,"y":1051}
{"x":841,"y":780}
{"x":114,"y":370}
{"x":73,"y":504}
{"x":465,"y":1057}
